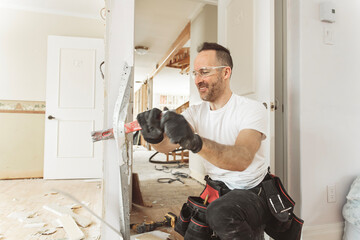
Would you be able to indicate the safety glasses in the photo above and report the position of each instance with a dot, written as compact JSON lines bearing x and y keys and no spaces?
{"x":205,"y":72}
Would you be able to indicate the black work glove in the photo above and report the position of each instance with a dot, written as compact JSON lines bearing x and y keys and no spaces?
{"x":150,"y":125}
{"x":179,"y":131}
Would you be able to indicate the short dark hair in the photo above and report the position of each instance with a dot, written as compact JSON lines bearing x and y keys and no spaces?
{"x":222,"y":53}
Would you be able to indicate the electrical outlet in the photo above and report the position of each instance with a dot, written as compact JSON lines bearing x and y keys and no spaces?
{"x":331,"y":193}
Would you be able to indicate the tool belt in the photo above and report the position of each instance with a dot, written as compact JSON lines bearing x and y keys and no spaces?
{"x":285,"y":226}
{"x":213,"y":189}
{"x":192,"y":220}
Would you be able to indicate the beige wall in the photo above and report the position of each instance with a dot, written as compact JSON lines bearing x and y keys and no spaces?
{"x":23,"y":48}
{"x":203,"y":28}
{"x":21,"y":145}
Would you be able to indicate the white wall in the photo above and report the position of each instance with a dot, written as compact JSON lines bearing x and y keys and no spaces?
{"x":203,"y":28}
{"x":23,"y":53}
{"x":323,"y":96}
{"x":169,"y":81}
{"x":23,"y":48}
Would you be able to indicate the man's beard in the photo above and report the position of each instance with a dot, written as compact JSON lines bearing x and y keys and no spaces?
{"x":214,"y":90}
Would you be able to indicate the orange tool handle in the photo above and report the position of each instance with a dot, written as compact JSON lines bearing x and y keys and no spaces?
{"x":132,"y":126}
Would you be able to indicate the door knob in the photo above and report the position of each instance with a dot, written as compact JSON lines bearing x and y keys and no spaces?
{"x":51,"y":117}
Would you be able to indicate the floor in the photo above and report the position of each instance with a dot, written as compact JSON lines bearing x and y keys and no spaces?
{"x":161,"y":198}
{"x":30,"y":195}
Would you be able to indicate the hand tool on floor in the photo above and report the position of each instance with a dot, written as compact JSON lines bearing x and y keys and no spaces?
{"x":109,"y":133}
{"x":169,"y":180}
{"x":169,"y":221}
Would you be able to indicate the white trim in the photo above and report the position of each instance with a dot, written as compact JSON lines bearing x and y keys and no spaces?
{"x":332,"y":231}
{"x":50,"y":11}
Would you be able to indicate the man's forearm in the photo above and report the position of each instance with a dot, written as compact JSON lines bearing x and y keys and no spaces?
{"x":234,"y":158}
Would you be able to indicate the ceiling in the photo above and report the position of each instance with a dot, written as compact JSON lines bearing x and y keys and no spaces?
{"x":77,"y":8}
{"x":157,"y":22}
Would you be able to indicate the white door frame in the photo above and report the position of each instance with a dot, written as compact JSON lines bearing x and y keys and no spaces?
{"x":259,"y":84}
{"x":116,"y":185}
{"x":281,"y":164}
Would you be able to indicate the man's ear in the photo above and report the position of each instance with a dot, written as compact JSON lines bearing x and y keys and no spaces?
{"x":227,"y":73}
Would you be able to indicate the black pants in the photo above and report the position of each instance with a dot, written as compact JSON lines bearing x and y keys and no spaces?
{"x":239,"y":214}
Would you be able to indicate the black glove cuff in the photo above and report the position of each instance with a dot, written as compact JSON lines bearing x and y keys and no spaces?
{"x":154,"y":141}
{"x":198,"y":143}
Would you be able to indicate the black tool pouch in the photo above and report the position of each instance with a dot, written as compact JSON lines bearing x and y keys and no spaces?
{"x":197,"y":229}
{"x":192,"y":220}
{"x":213,"y":189}
{"x":193,"y":226}
{"x":292,"y":232}
{"x":182,"y":222}
{"x":279,"y":208}
{"x":287,"y":226}
{"x":192,"y":211}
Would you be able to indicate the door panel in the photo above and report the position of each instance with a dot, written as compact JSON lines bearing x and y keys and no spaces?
{"x":240,"y":36}
{"x":73,"y":139}
{"x":77,"y":78}
{"x":246,"y":27}
{"x":75,"y":102}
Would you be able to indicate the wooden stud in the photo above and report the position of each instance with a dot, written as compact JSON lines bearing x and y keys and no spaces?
{"x":136,"y":193}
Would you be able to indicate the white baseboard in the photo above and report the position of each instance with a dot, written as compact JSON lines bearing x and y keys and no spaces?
{"x":321,"y":232}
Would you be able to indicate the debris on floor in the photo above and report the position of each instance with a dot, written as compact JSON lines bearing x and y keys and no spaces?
{"x":50,"y":193}
{"x":24,"y":217}
{"x":74,"y":206}
{"x":47,"y":231}
{"x":85,"y":203}
{"x":61,"y":210}
{"x":70,"y":227}
{"x":35,"y":224}
{"x":155,"y":235}
{"x":56,"y":223}
{"x":21,"y":216}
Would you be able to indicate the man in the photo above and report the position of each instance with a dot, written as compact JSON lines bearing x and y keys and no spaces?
{"x":227,"y":131}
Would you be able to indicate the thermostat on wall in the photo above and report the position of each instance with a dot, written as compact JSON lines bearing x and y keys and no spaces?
{"x":327,"y":12}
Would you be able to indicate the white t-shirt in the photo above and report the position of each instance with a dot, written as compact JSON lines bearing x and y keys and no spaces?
{"x":223,"y":126}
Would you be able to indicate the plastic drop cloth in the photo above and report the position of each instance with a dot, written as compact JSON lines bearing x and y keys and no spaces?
{"x":351,"y":212}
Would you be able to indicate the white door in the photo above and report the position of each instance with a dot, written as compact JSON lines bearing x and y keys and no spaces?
{"x":74,"y":108}
{"x":246,"y":27}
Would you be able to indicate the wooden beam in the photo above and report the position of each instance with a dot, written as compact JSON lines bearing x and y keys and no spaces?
{"x":175,"y":47}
